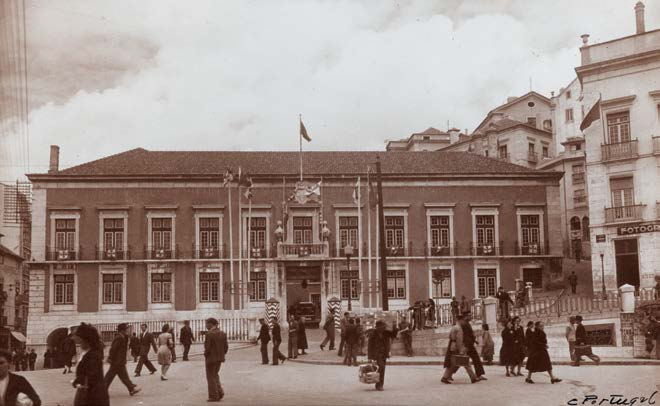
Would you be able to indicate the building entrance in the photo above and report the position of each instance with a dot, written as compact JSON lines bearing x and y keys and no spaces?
{"x":303,"y":293}
{"x":627,"y":262}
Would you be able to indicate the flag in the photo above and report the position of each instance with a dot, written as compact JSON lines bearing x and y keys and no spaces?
{"x":356,"y":192}
{"x":227,"y":178}
{"x":247,"y":183}
{"x":303,"y":132}
{"x":373,"y":195}
{"x":593,"y":115}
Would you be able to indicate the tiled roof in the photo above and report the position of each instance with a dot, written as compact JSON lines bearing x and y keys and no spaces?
{"x":431,"y":131}
{"x":9,"y":253}
{"x":140,"y":162}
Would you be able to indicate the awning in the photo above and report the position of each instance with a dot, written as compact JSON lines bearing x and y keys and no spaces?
{"x":19,"y":336}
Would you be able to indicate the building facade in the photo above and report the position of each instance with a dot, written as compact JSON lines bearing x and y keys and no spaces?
{"x":153,"y":235}
{"x":622,"y":156}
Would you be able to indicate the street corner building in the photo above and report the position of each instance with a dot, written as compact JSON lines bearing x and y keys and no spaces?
{"x":169,"y":236}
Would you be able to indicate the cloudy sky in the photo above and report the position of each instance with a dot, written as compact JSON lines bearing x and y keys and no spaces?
{"x":110,"y":75}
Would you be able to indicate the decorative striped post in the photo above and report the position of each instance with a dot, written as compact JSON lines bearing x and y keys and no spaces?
{"x":272,"y":310}
{"x":334,"y":307}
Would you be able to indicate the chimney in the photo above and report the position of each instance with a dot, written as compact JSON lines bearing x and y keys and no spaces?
{"x":639,"y":17}
{"x":54,"y":166}
{"x":453,"y":135}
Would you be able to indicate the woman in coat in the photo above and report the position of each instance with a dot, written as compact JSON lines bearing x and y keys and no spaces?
{"x":431,"y":312}
{"x":506,"y":351}
{"x":539,"y":359}
{"x":518,"y":353}
{"x":302,"y":334}
{"x":165,"y":344}
{"x":487,"y":345}
{"x":89,"y":371}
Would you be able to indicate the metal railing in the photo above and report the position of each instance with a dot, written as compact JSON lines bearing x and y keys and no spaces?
{"x":440,"y":250}
{"x":63,"y":254}
{"x":564,"y":306}
{"x":493,"y":249}
{"x":623,"y":213}
{"x":302,"y":250}
{"x":620,"y":150}
{"x":112,"y":254}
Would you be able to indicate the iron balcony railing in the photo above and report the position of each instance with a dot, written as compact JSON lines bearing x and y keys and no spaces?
{"x":491,"y":249}
{"x":619,"y":150}
{"x":63,"y":254}
{"x":624,"y":213}
{"x":532,"y":248}
{"x":302,"y":250}
{"x":162,"y":253}
{"x":112,"y":254}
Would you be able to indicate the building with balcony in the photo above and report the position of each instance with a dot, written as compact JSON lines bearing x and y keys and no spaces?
{"x":621,"y":78}
{"x":146,"y":235}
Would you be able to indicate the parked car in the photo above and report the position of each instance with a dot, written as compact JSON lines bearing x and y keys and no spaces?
{"x":309,"y":311}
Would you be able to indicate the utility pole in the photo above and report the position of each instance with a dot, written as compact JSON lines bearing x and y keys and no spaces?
{"x":381,"y":238}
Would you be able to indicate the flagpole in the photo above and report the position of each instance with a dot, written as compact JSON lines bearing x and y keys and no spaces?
{"x":378,"y":255}
{"x":369,"y":231}
{"x":359,"y":204}
{"x":249,"y":240}
{"x":240,"y":241}
{"x":231,"y":249}
{"x":300,"y":140}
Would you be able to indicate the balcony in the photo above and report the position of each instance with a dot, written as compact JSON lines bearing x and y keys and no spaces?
{"x":256,"y":253}
{"x":624,"y":213}
{"x":532,"y":249}
{"x":486,"y":249}
{"x":63,"y":254}
{"x":532,"y":157}
{"x":619,"y":151}
{"x":112,"y":254}
{"x":440,"y":250}
{"x":578,"y":177}
{"x":215,"y":252}
{"x":656,"y":145}
{"x":291,"y":250}
{"x":579,"y":201}
{"x":161,"y":253}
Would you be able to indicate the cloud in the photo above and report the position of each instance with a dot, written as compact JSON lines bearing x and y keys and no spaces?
{"x":213,"y":75}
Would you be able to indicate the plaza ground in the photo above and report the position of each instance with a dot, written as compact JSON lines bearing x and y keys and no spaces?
{"x":247,"y":382}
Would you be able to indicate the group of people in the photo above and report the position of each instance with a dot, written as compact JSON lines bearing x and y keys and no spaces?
{"x":24,"y":361}
{"x":422,"y":314}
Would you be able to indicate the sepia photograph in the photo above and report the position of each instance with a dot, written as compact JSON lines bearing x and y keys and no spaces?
{"x":393,"y":202}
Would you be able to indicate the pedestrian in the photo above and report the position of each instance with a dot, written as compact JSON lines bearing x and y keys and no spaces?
{"x":431,"y":313}
{"x":329,"y":327}
{"x":117,"y":360}
{"x":343,"y":323}
{"x":277,"y":340}
{"x":378,"y":350}
{"x":456,"y":347}
{"x":573,"y":280}
{"x":469,"y":341}
{"x":570,"y":337}
{"x":539,"y":359}
{"x":12,"y":384}
{"x":135,"y":347}
{"x":215,"y":349}
{"x":360,"y":330}
{"x":164,"y":352}
{"x":487,"y":345}
{"x":506,"y":351}
{"x":529,"y":331}
{"x":32,"y":359}
{"x":147,"y":342}
{"x":406,"y":336}
{"x":454,"y":310}
{"x":186,"y":338}
{"x":581,"y":346}
{"x":504,"y":301}
{"x":465,"y":305}
{"x":352,"y":340}
{"x":89,"y":383}
{"x":652,"y":331}
{"x":302,"y":335}
{"x":16,"y":356}
{"x":68,"y":352}
{"x":293,"y":338}
{"x":24,"y":359}
{"x":264,"y":336}
{"x":518,"y":353}
{"x":172,"y":344}
{"x":47,"y":357}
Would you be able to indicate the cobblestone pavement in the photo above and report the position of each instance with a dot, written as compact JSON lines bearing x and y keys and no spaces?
{"x":247,"y":382}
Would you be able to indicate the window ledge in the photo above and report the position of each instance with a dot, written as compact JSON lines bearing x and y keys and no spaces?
{"x":161,"y":306}
{"x":114,"y":306}
{"x":62,"y":308}
{"x":209,"y":305}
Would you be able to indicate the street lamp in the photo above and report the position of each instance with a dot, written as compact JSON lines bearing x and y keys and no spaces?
{"x":602,"y":277}
{"x":348,"y":251}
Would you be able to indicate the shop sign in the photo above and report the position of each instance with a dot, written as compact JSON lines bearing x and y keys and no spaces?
{"x":600,"y":238}
{"x":649,"y":227}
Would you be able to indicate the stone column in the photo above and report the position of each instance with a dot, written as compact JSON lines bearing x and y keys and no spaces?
{"x":490,"y":311}
{"x":627,"y":299}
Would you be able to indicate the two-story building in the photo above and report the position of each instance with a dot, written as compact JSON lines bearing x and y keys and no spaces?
{"x":621,"y":80}
{"x":151,"y":235}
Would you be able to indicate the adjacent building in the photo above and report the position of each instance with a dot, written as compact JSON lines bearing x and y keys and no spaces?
{"x":150,"y":235}
{"x":621,"y":78}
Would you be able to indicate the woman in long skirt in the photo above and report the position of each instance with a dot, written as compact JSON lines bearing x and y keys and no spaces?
{"x":164,"y":353}
{"x":506,"y":351}
{"x":487,"y":345}
{"x":539,"y":359}
{"x":518,"y":353}
{"x":302,"y":335}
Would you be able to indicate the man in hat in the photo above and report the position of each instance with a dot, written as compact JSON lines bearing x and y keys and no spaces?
{"x":264,"y":337}
{"x":469,"y":340}
{"x":117,"y":360}
{"x":186,"y":337}
{"x":581,"y":343}
{"x":215,"y":349}
{"x":379,"y":350}
{"x":277,"y":340}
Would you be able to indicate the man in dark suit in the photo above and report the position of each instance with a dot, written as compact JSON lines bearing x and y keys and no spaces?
{"x":351,"y":339}
{"x":264,"y":337}
{"x":215,"y":348}
{"x":15,"y":383}
{"x":469,"y":340}
{"x":186,"y":338}
{"x":379,"y":350}
{"x":293,"y":337}
{"x":581,"y":342}
{"x":277,"y":340}
{"x":117,"y":360}
{"x":146,"y":343}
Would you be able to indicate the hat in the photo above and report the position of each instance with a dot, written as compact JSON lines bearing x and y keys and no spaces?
{"x":578,"y":318}
{"x":122,"y":326}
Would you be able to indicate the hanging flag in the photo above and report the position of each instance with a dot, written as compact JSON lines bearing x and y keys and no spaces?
{"x":306,"y":191}
{"x":593,"y":115}
{"x":356,"y":192}
{"x":247,"y":184}
{"x":373,"y":195}
{"x":227,"y":178}
{"x":303,"y":132}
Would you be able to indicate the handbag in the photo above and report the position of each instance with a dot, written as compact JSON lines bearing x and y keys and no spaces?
{"x":583,"y":350}
{"x":458,"y":360}
{"x":81,"y":394}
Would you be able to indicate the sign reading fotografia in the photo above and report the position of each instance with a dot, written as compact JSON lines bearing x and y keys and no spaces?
{"x":649,"y":227}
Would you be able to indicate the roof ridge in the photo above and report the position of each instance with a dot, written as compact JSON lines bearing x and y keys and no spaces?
{"x":138,"y":149}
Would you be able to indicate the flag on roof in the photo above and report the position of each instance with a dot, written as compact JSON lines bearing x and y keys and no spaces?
{"x":227,"y":178}
{"x":303,"y":131}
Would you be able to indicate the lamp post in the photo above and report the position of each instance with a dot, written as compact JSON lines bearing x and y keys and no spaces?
{"x":602,"y":275}
{"x":348,"y":251}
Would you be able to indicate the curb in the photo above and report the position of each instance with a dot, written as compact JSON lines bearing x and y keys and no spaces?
{"x":641,"y":362}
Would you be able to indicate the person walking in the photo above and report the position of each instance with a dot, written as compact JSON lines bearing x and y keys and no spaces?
{"x":343,"y":323}
{"x":456,"y":347}
{"x":215,"y":349}
{"x":378,"y":349}
{"x":68,"y":352}
{"x":164,"y":352}
{"x":135,"y":347}
{"x":32,"y":359}
{"x":518,"y":353}
{"x":581,"y":347}
{"x":146,"y":343}
{"x":539,"y":359}
{"x":186,"y":338}
{"x":504,"y":301}
{"x":487,"y":345}
{"x":570,"y":338}
{"x":360,"y":332}
{"x":302,"y":335}
{"x":329,"y":327}
{"x":172,"y":344}
{"x":117,"y":360}
{"x":573,"y":281}
{"x":264,"y":337}
{"x":13,"y":384}
{"x":293,"y":338}
{"x":47,"y":358}
{"x":406,"y":336}
{"x":506,"y":351}
{"x":469,"y":341}
{"x":455,"y":306}
{"x":90,"y":386}
{"x":352,"y":339}
{"x":277,"y":340}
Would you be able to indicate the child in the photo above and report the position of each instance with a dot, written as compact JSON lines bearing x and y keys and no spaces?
{"x":488,"y":346}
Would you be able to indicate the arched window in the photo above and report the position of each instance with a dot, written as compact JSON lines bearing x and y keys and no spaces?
{"x":575,"y":224}
{"x":585,"y":228}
